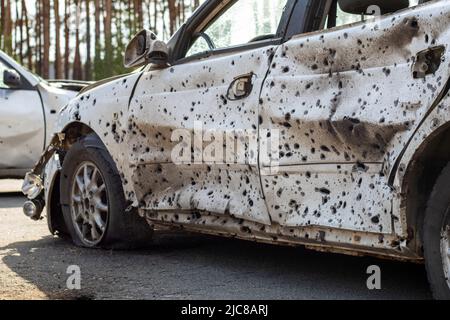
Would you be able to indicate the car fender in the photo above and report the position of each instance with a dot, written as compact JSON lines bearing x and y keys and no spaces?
{"x":51,"y":176}
{"x":53,"y":100}
{"x":104,"y":111}
{"x":435,"y":123}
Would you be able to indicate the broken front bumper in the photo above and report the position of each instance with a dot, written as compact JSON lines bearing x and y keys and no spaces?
{"x":39,"y":181}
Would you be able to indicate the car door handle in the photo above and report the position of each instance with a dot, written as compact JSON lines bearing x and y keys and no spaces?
{"x":241,"y":87}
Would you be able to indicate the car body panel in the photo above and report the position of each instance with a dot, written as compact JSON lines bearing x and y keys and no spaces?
{"x":435,"y":124}
{"x":21,"y":124}
{"x":346,"y":105}
{"x":363,"y":132}
{"x":71,"y":85}
{"x":50,"y":174}
{"x":189,"y":97}
{"x":53,"y":100}
{"x":104,"y":110}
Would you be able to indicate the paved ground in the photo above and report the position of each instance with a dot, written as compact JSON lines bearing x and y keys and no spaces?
{"x":33,"y":265}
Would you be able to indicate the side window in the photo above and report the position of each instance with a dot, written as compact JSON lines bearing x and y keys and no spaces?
{"x":241,"y":22}
{"x":337,"y":17}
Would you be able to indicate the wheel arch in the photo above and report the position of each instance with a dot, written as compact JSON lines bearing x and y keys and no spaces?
{"x":423,"y":170}
{"x":72,"y":133}
{"x":76,"y":130}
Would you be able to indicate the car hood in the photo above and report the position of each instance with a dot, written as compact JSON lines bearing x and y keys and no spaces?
{"x":99,"y":83}
{"x":54,"y":97}
{"x":71,"y":85}
{"x":94,"y":85}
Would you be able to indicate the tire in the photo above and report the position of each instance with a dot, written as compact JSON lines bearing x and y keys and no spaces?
{"x":95,"y":212}
{"x":436,"y":230}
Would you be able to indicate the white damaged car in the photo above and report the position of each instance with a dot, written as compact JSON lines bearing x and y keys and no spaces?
{"x":29,"y":107}
{"x":323,"y":123}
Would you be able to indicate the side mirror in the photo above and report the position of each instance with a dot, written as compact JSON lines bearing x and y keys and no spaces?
{"x":361,"y":6}
{"x":11,"y":78}
{"x":145,"y":48}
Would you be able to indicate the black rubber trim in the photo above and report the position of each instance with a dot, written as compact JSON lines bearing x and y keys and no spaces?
{"x":134,"y":89}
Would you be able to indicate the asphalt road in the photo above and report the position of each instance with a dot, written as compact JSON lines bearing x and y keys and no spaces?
{"x":184,"y":266}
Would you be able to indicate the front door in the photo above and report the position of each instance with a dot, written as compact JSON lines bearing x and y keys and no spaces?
{"x":195,"y":144}
{"x":22,"y":126}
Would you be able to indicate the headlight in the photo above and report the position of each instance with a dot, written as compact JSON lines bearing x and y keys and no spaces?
{"x":32,"y":186}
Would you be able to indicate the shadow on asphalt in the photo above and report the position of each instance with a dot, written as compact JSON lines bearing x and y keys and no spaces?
{"x":185,"y":266}
{"x":9,"y":200}
{"x":12,"y":194}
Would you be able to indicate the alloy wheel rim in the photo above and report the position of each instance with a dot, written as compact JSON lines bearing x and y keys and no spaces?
{"x":445,"y":248}
{"x":89,"y":203}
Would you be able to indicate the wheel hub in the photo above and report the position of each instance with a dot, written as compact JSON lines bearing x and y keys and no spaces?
{"x":89,"y":203}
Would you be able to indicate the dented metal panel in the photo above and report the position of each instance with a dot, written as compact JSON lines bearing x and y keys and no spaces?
{"x":341,"y":196}
{"x":349,"y":98}
{"x":194,"y":99}
{"x":53,"y":100}
{"x":105,"y":111}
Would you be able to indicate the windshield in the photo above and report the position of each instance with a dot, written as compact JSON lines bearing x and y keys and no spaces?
{"x":38,"y":78}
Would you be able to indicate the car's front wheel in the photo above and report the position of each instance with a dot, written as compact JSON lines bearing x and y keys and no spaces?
{"x":436,"y":237}
{"x":94,"y":205}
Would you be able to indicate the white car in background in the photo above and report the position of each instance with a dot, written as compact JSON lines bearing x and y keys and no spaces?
{"x":29,"y":107}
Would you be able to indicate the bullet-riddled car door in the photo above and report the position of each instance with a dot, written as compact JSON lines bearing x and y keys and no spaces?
{"x":345,"y":101}
{"x":193,"y":142}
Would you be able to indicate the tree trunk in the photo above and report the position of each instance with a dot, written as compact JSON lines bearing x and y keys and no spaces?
{"x":98,"y":45}
{"x":172,"y":16}
{"x":77,"y":68}
{"x":155,"y":17}
{"x":21,"y":35}
{"x":15,"y":25}
{"x":88,"y":65}
{"x":7,"y":28}
{"x":67,"y":39}
{"x":46,"y":50}
{"x":27,"y":32}
{"x":2,"y":21}
{"x":108,"y":40}
{"x":38,"y":60}
{"x":58,"y":61}
{"x":149,"y":14}
{"x":131,"y":18}
{"x":139,"y":13}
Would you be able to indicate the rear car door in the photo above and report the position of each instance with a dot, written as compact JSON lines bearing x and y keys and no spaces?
{"x":344,"y":101}
{"x":22,"y":125}
{"x":194,"y":146}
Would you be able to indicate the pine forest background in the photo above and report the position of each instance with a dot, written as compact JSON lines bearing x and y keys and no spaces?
{"x":83,"y":39}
